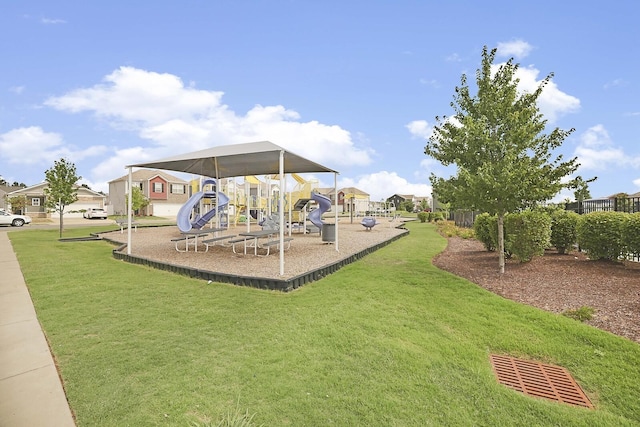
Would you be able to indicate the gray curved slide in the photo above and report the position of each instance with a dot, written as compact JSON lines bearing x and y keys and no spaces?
{"x":324,"y":204}
{"x":184,"y":214}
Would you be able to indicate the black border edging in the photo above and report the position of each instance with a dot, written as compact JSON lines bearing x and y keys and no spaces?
{"x":89,"y":238}
{"x":251,"y":281}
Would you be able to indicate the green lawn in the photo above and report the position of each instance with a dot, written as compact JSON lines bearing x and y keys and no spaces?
{"x":387,"y":341}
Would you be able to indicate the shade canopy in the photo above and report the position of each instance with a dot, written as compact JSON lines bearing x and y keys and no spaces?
{"x":228,"y":161}
{"x":253,"y":158}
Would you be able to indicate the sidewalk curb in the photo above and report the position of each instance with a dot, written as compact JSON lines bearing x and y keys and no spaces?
{"x":31,"y":393}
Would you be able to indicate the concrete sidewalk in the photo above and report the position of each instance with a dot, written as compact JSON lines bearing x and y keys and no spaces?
{"x":31,"y":394}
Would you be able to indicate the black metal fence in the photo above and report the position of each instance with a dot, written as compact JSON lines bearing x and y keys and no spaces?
{"x":463,"y":218}
{"x":620,"y":204}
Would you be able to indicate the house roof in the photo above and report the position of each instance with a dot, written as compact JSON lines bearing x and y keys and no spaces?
{"x":9,"y":188}
{"x":146,"y":174}
{"x":402,"y":196}
{"x":227,"y":161}
{"x":353,"y":192}
{"x":38,"y":190}
{"x":325,"y":190}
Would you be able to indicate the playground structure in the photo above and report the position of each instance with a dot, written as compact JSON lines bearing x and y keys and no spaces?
{"x":235,"y":160}
{"x":254,"y":200}
{"x":188,"y":219}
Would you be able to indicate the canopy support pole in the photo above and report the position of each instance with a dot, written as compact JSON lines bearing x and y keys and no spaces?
{"x":335,"y":207}
{"x":129,"y":210}
{"x":281,"y":212}
{"x":215,"y":159}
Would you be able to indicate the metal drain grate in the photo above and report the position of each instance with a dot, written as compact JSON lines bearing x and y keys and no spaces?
{"x":539,"y":380}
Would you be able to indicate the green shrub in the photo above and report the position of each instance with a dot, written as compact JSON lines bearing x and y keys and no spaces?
{"x":423,"y":216}
{"x":529,"y":234}
{"x":450,"y":229}
{"x":435,"y":216}
{"x":485,"y":228}
{"x":581,"y":314}
{"x":564,"y":230}
{"x":631,"y":233}
{"x":600,"y":234}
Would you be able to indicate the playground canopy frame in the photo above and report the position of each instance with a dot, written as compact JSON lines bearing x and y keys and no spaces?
{"x":228,"y":161}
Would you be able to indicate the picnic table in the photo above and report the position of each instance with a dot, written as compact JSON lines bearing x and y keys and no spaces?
{"x":123,"y":223}
{"x":252,"y":239}
{"x":189,"y":238}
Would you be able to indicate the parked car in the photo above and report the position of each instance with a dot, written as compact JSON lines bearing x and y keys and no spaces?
{"x":7,"y":218}
{"x":92,"y":213}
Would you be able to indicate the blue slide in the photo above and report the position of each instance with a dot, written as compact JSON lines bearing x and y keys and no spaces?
{"x":324,"y":204}
{"x":184,"y":214}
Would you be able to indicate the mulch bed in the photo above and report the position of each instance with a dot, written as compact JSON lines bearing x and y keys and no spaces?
{"x":555,"y":283}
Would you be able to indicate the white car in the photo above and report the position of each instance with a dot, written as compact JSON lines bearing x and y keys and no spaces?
{"x":7,"y":218}
{"x":92,"y":213}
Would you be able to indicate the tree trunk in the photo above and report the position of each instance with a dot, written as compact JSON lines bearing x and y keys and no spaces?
{"x":501,"y":242}
{"x":61,"y":227}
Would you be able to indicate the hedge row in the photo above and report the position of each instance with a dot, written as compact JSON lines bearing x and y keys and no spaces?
{"x":431,"y":216}
{"x":602,"y":235}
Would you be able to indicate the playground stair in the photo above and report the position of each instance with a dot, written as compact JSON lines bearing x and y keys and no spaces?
{"x":300,"y":204}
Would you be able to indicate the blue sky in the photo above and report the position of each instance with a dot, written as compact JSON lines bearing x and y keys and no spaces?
{"x":353,"y":85}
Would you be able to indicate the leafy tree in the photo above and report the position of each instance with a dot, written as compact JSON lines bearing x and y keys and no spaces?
{"x":581,"y":188}
{"x":138,"y":200}
{"x":18,"y":203}
{"x":496,"y":140}
{"x":407,"y":205}
{"x":61,"y":189}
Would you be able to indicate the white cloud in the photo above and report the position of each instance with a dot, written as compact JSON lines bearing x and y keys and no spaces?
{"x":420,"y":129}
{"x":552,"y":101}
{"x":12,"y":146}
{"x":596,"y":151}
{"x":454,"y":57}
{"x":615,"y":83}
{"x":34,"y":146}
{"x":429,"y":82}
{"x":16,"y":89}
{"x":383,"y":184}
{"x":52,"y":21}
{"x":137,"y":97}
{"x":516,"y":48}
{"x":178,"y":119}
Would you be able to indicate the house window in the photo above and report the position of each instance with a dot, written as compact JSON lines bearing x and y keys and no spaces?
{"x":158,"y":187}
{"x":177,"y":189}
{"x":35,"y":201}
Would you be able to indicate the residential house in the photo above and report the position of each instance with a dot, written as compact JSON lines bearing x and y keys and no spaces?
{"x":36,"y":201}
{"x":351,"y":199}
{"x":329,"y":192}
{"x":165,"y":192}
{"x":398,"y":199}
